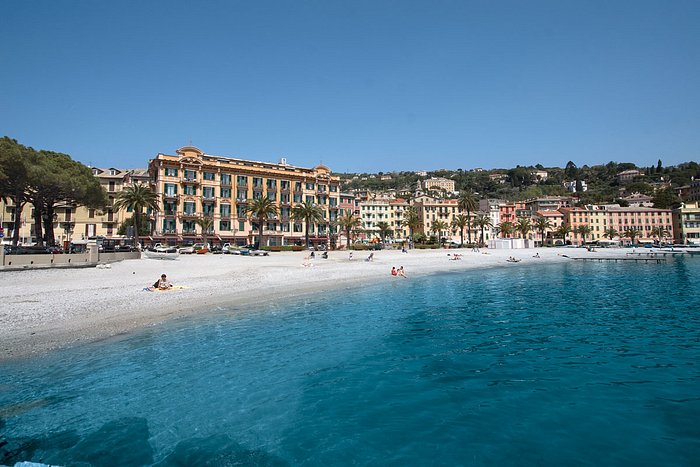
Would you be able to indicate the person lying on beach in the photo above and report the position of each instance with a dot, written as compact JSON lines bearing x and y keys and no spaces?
{"x":162,"y":283}
{"x":324,"y":255}
{"x":512,"y":259}
{"x":455,"y":257}
{"x":536,"y":255}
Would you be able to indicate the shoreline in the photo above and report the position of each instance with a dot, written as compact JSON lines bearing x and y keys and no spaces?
{"x":51,"y":309}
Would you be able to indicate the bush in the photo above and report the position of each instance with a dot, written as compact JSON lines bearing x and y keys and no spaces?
{"x":283,"y":248}
{"x":359,"y":246}
{"x":427,"y":246}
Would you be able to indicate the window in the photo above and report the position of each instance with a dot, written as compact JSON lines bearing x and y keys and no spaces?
{"x":225,"y":225}
{"x":241,"y":194}
{"x":91,"y":213}
{"x":225,"y":209}
{"x":226,"y":179}
{"x":170,"y":172}
{"x":170,"y":189}
{"x":271,"y":195}
{"x":309,"y":199}
{"x":241,"y":180}
{"x":208,"y":192}
{"x":225,"y":192}
{"x":284,"y":184}
{"x":208,"y":176}
{"x":333,"y":188}
{"x":189,"y":207}
{"x":297,"y":186}
{"x":297,"y":228}
{"x":190,"y":175}
{"x":190,"y":190}
{"x":241,"y":225}
{"x":297,"y":198}
{"x":309,"y":186}
{"x":271,"y":184}
{"x":208,"y":209}
{"x":257,"y":182}
{"x":257,"y":195}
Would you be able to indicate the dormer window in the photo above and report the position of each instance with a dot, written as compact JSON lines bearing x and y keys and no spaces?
{"x":112,"y":172}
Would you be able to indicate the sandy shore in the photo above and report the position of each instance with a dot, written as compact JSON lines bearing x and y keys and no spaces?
{"x":49,"y":309}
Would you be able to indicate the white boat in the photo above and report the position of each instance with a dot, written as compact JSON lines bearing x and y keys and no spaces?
{"x":174,"y":254}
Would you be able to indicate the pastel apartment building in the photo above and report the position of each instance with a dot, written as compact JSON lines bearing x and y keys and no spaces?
{"x":192,"y":185}
{"x":686,"y":223}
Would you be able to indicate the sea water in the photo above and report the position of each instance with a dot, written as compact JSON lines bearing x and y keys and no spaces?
{"x":560,"y":364}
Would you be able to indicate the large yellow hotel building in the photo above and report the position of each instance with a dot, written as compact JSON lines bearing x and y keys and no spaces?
{"x":192,"y":185}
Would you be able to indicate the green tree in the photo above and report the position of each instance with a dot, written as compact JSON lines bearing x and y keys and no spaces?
{"x":460,"y":222}
{"x":523,"y":226}
{"x":309,"y":213}
{"x":136,"y":197}
{"x":438,"y":227}
{"x":413,"y":220}
{"x":482,"y":222}
{"x":56,"y":178}
{"x":563,"y":231}
{"x":610,"y":232}
{"x":348,"y":223}
{"x":206,"y":223}
{"x":506,"y":229}
{"x":469,"y":204}
{"x":665,"y":199}
{"x":583,"y":231}
{"x":15,"y":160}
{"x":384,"y":230}
{"x":542,"y":224}
{"x":260,"y":211}
{"x":632,"y":234}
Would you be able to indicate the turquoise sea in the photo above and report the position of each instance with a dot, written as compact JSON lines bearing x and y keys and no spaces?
{"x":562,"y":364}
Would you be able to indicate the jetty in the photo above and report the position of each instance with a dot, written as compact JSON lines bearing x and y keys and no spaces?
{"x":636,"y":260}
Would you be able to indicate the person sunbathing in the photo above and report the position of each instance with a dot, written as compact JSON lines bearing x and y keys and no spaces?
{"x":162,"y":283}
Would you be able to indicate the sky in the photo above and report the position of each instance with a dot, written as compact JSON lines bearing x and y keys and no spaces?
{"x":360,"y":86}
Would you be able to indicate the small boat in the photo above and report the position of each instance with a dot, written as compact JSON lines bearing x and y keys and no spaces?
{"x":169,"y":254}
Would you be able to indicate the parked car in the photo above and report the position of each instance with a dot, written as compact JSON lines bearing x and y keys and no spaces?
{"x":201,"y":248}
{"x":186,"y":250}
{"x":26,"y":250}
{"x":216,"y":249}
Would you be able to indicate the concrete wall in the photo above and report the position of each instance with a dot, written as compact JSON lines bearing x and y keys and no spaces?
{"x":90,"y":258}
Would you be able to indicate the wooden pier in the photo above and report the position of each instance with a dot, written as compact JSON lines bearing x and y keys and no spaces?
{"x":636,"y":260}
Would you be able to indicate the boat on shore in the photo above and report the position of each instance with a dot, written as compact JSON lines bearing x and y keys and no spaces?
{"x":165,"y":253}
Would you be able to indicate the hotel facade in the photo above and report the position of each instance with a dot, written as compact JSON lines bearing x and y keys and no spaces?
{"x":192,"y":185}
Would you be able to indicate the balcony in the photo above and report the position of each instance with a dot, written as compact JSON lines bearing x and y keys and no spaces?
{"x":190,"y":215}
{"x":193,"y":181}
{"x":169,"y":213}
{"x":169,"y":195}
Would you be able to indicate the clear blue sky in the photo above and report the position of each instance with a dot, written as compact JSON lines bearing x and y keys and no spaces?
{"x":362,"y":86}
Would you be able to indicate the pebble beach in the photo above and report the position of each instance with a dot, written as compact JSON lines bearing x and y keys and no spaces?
{"x":47,"y":309}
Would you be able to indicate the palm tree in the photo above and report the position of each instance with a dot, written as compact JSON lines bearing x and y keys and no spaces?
{"x":260,"y":210}
{"x":583,"y":231}
{"x":384,"y":230}
{"x":309,"y":213}
{"x":467,"y":202}
{"x":438,"y":227}
{"x":348,"y":223}
{"x":563,"y":231}
{"x":610,"y":232}
{"x":412,"y":219}
{"x":137,"y":197}
{"x":632,"y":234}
{"x":207,"y":225}
{"x":523,"y":226}
{"x":482,"y":222}
{"x":460,"y":222}
{"x":506,"y":229}
{"x":660,"y":233}
{"x":542,"y":224}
